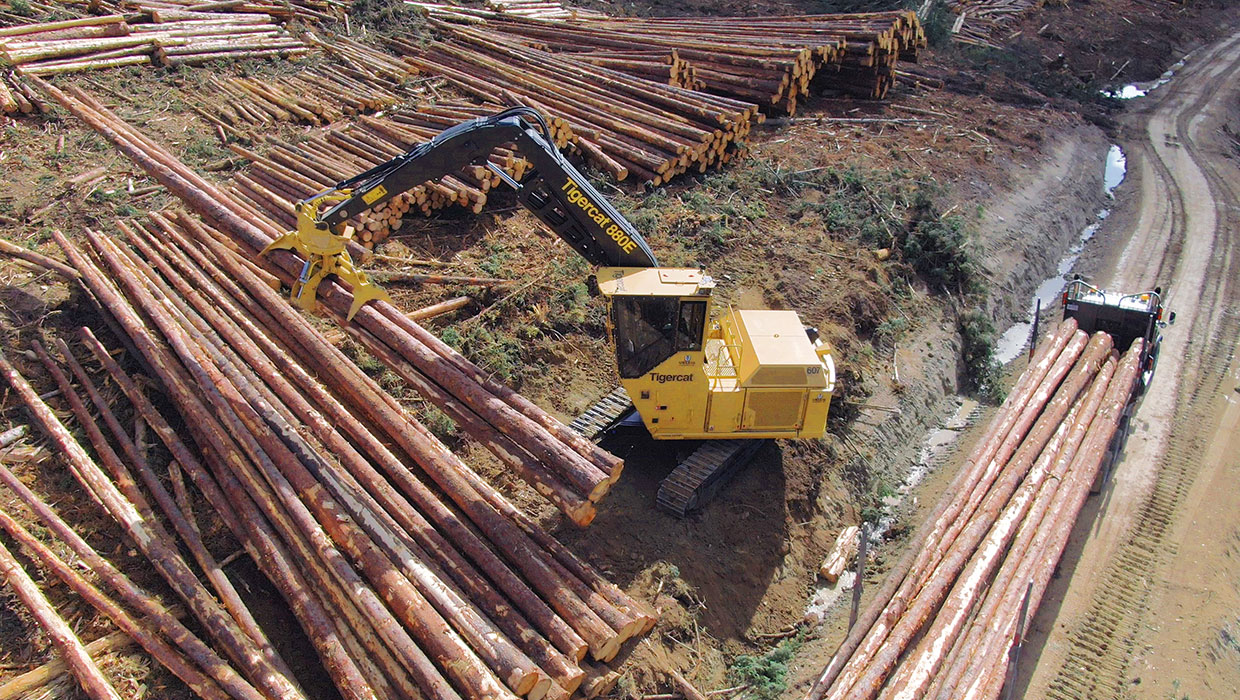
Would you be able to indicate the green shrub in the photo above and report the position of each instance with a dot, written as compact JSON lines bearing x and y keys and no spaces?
{"x":205,"y":148}
{"x":938,"y":24}
{"x":438,"y":422}
{"x":937,"y":246}
{"x":452,"y":337}
{"x":889,"y":331}
{"x":982,"y":371}
{"x":767,"y":676}
{"x":938,"y":249}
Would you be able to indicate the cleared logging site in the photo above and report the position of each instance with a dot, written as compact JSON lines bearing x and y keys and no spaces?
{"x":411,"y":575}
{"x":200,"y":404}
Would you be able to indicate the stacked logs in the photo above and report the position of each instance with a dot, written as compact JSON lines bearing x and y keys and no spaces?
{"x":530,"y":9}
{"x":999,"y":530}
{"x":985,"y":22}
{"x":625,"y":125}
{"x":304,"y":10}
{"x":769,"y":60}
{"x":661,"y":66}
{"x":570,"y":471}
{"x":533,"y":9}
{"x":363,"y":60}
{"x":289,"y":172}
{"x":186,"y":38}
{"x":412,"y":576}
{"x":316,"y":96}
{"x":764,"y":68}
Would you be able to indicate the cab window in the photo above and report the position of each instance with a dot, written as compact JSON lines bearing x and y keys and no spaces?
{"x":691,"y":325}
{"x":645,"y":329}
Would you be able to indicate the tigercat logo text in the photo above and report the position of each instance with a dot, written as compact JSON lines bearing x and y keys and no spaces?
{"x":612,"y":229}
{"x":665,"y":378}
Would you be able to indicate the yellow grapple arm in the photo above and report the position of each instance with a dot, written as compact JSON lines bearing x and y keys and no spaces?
{"x":326,"y":252}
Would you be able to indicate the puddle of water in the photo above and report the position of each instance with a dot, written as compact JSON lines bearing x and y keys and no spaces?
{"x":1132,"y":91}
{"x":1015,"y":339}
{"x":1128,"y":92}
{"x":1114,"y":170}
{"x":936,"y":446}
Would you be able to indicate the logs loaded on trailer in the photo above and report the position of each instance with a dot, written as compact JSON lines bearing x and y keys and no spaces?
{"x":999,"y":530}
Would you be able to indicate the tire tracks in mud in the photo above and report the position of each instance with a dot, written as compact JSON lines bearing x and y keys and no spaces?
{"x":1101,"y":644}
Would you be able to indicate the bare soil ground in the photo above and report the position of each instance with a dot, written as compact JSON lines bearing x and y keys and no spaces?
{"x":1145,"y":605}
{"x":1012,"y":145}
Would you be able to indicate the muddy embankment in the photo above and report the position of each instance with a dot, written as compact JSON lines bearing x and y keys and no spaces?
{"x":1023,"y":235}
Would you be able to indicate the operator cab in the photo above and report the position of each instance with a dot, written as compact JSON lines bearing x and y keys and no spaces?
{"x":655,"y":313}
{"x":694,"y":372}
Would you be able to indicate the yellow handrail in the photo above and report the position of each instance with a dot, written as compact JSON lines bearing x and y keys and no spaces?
{"x":733,"y":350}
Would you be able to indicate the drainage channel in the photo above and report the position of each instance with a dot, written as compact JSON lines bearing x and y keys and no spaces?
{"x":935,"y":451}
{"x":1134,"y":90}
{"x":1015,"y":339}
{"x":941,"y":442}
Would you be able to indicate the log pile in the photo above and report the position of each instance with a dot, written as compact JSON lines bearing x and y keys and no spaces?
{"x":62,"y":635}
{"x":316,"y":96}
{"x":289,"y":172}
{"x":530,"y":9}
{"x":660,"y":66}
{"x":769,"y":60}
{"x":999,"y":531}
{"x":173,"y":39}
{"x":362,"y":59}
{"x":625,"y":125}
{"x":571,"y":472}
{"x":986,"y":22}
{"x":533,"y":9}
{"x":309,"y":11}
{"x":411,"y":575}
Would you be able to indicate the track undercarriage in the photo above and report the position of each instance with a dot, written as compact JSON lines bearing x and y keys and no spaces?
{"x":696,"y":479}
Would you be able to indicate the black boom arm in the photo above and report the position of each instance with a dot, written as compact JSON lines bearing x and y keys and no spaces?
{"x":555,"y":191}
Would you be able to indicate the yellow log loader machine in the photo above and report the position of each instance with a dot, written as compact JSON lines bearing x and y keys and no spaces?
{"x":690,"y":368}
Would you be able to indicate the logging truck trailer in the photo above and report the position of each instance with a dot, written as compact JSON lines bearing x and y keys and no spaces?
{"x":1127,"y":318}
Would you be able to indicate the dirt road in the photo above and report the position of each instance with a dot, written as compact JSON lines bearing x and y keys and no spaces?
{"x":1149,"y":586}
